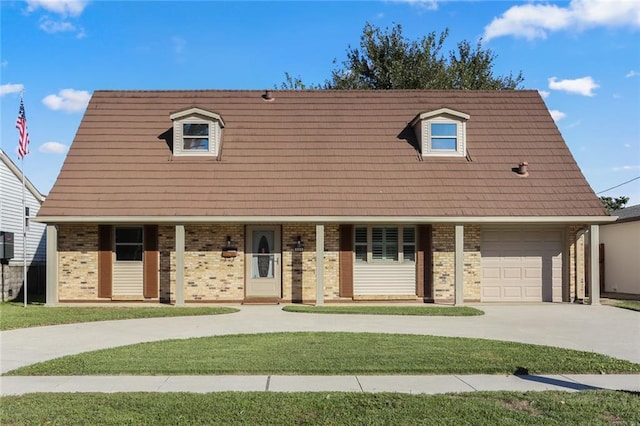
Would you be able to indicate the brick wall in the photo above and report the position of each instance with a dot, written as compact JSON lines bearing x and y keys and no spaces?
{"x":299,"y":268}
{"x":208,"y":276}
{"x":576,"y":237}
{"x":444,"y":263}
{"x":443,"y":241}
{"x":472,"y":259}
{"x":77,"y":262}
{"x":167,"y":252}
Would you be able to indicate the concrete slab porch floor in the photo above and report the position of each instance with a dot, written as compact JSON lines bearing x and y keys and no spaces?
{"x":602,"y":329}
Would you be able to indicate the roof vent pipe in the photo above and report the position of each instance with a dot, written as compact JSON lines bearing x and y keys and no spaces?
{"x":267,"y":95}
{"x":523,"y":168}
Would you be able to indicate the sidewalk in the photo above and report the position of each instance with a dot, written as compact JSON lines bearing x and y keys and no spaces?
{"x":602,"y":329}
{"x":401,"y":384}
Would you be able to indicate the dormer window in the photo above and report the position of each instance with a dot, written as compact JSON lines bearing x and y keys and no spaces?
{"x":442,"y":132}
{"x":196,"y":132}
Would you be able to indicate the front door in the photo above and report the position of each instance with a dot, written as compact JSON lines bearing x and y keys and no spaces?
{"x":263,"y":262}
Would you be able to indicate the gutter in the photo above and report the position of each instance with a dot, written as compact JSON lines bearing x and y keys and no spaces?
{"x":593,"y":220}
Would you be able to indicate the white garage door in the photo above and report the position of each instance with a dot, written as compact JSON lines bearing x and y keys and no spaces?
{"x":521,"y":266}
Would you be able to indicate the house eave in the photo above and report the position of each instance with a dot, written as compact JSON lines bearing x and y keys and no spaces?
{"x":557,"y":220}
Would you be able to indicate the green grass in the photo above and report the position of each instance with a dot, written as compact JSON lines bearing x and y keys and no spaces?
{"x":428,"y":310}
{"x":15,"y":315}
{"x":633,"y":305}
{"x":328,"y":354}
{"x":503,"y":408}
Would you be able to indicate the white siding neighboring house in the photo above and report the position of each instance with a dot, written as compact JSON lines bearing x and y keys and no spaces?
{"x":11,"y":215}
{"x":621,"y":241}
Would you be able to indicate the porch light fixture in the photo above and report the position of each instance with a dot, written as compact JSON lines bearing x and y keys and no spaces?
{"x":229,"y":249}
{"x":299,"y":247}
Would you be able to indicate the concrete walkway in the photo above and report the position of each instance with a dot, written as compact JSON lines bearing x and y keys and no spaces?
{"x":602,"y":329}
{"x":401,"y":384}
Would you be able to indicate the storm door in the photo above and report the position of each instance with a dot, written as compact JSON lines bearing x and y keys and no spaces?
{"x":263,"y":268}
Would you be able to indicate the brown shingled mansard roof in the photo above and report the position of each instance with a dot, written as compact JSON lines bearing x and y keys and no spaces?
{"x":318,"y":154}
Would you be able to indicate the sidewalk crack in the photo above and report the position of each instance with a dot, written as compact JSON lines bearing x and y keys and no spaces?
{"x":268,"y":382}
{"x":465,"y":382}
{"x":359,"y":384}
{"x":164,"y":382}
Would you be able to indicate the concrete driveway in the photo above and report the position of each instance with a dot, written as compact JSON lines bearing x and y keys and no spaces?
{"x":602,"y":329}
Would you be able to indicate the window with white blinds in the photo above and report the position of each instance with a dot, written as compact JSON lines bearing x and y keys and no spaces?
{"x":385,"y":244}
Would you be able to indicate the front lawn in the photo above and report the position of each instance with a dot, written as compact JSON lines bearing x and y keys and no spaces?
{"x":15,"y":315}
{"x":428,"y":310}
{"x":309,"y":353}
{"x":633,"y":305}
{"x":265,"y":408}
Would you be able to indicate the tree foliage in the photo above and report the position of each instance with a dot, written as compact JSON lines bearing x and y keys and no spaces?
{"x":388,"y":60}
{"x":613,"y":204}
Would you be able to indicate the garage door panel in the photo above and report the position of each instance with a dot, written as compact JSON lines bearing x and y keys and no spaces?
{"x":521,"y":265}
{"x":512,"y":292}
{"x":532,"y":293}
{"x":491,"y":273}
{"x":491,"y":293}
{"x":533,"y":274}
{"x":511,"y":273}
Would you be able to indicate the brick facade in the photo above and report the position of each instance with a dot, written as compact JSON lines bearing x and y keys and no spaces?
{"x":210,"y":277}
{"x":77,"y":262}
{"x":443,"y":240}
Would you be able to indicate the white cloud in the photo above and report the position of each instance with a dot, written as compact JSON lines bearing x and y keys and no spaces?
{"x":537,"y":20}
{"x":627,"y":145}
{"x":625,"y":168}
{"x":632,"y":74}
{"x":68,"y":100}
{"x":6,"y":89}
{"x":557,"y":115}
{"x":53,"y":148}
{"x":50,"y":26}
{"x":422,"y":4}
{"x":544,"y":93}
{"x":61,"y":7}
{"x":581,"y":86}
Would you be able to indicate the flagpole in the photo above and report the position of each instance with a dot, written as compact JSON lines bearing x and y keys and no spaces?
{"x":24,"y":234}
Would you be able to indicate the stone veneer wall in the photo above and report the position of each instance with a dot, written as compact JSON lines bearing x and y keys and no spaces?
{"x":208,"y":276}
{"x":77,"y":262}
{"x":443,"y":241}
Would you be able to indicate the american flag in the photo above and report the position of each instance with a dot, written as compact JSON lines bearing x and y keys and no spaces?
{"x":21,"y":125}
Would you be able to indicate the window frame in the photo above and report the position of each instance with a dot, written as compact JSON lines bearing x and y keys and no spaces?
{"x":197,"y":116}
{"x":400,"y":244}
{"x":191,"y":151}
{"x":117,"y":244}
{"x":423,"y":128}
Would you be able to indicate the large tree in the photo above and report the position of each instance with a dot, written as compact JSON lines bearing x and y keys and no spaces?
{"x":613,"y":204}
{"x":388,"y":60}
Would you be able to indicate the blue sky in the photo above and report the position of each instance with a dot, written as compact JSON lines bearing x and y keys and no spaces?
{"x":582,"y":55}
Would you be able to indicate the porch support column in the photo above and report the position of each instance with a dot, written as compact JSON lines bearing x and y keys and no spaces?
{"x":319,"y":264}
{"x":594,"y":265}
{"x":459,"y":265}
{"x":179,"y":265}
{"x":52,"y":265}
